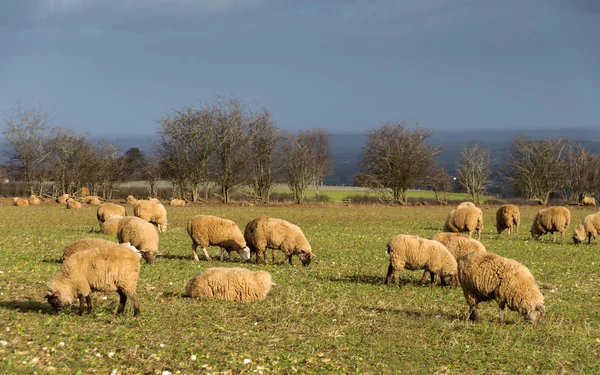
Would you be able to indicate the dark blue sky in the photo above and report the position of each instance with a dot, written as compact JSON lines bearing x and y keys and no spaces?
{"x":113,"y":67}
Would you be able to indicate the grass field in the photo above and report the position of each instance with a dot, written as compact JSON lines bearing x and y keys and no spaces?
{"x":335,"y":316}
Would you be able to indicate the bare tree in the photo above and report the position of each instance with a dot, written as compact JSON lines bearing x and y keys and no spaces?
{"x":322,"y":160}
{"x":473,"y":172}
{"x":27,"y":131}
{"x":440,"y":182}
{"x":71,"y":160}
{"x":395,"y":159}
{"x":536,"y":168}
{"x":151,"y":173}
{"x":296,"y":153}
{"x":111,"y":170}
{"x":581,"y":175}
{"x":263,"y":144}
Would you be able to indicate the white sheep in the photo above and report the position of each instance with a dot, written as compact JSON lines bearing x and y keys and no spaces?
{"x":111,"y":226}
{"x":62,"y":199}
{"x":230,"y":284}
{"x":140,"y":234}
{"x":508,"y":217}
{"x":34,"y":201}
{"x":177,"y":202}
{"x":72,"y":204}
{"x":465,"y":219}
{"x":21,"y":202}
{"x":107,"y":210}
{"x":152,"y":211}
{"x":207,"y":230}
{"x":589,"y":227}
{"x":86,"y":244}
{"x":551,"y":219}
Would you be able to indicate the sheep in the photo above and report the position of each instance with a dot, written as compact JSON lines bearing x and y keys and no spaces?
{"x":111,"y":226}
{"x":177,"y":202}
{"x":140,"y":234}
{"x":458,"y":244}
{"x":230,"y":284}
{"x":20,"y":202}
{"x":589,"y":227}
{"x":62,"y":199}
{"x":507,"y":217}
{"x":86,"y":244}
{"x":112,"y":269}
{"x":551,"y":219}
{"x":152,"y":212}
{"x":466,"y":219}
{"x":130,"y":200}
{"x":267,"y":232}
{"x":415,"y":253}
{"x":206,"y":230}
{"x":107,"y":210}
{"x":72,"y":204}
{"x":34,"y":201}
{"x":466,"y":204}
{"x":488,"y":276}
{"x":154,"y":200}
{"x":589,"y":201}
{"x":91,"y":200}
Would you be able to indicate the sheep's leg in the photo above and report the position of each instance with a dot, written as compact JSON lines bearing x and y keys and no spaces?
{"x":206,"y":254}
{"x":290,"y":260}
{"x":282,"y":261}
{"x":273,"y":255}
{"x":222,"y":253}
{"x":553,"y":237}
{"x":424,"y":277}
{"x":501,"y":316}
{"x":134,"y":301}
{"x":473,"y":312}
{"x":122,"y":301}
{"x":390,"y":275}
{"x":81,"y":304}
{"x":194,"y":247}
{"x":562,"y":237}
{"x":88,"y":300}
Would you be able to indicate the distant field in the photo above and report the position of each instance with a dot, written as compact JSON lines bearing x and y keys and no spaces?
{"x":335,"y":316}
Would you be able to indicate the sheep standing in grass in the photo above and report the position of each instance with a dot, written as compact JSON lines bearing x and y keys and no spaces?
{"x":177,"y":202}
{"x":34,"y":201}
{"x":62,"y":199}
{"x":551,"y":219}
{"x":269,"y":233}
{"x":86,"y":244}
{"x":111,"y":226}
{"x":111,"y":269}
{"x":140,"y":234}
{"x":20,"y":202}
{"x":466,"y":204}
{"x":206,"y":230}
{"x":152,"y":212}
{"x":130,"y":200}
{"x":508,"y":217}
{"x":487,"y":276}
{"x":72,"y":204}
{"x":589,"y":227}
{"x":230,"y":284}
{"x":465,"y":219}
{"x":107,"y":210}
{"x":589,"y":201}
{"x":416,"y":253}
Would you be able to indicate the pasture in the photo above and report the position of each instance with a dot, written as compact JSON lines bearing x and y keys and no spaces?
{"x":335,"y":316}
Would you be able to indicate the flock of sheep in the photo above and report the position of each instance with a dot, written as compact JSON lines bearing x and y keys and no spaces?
{"x":450,"y":257}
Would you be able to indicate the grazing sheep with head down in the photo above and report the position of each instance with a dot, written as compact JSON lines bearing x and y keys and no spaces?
{"x":488,"y":276}
{"x":416,"y":253}
{"x":589,"y":201}
{"x":230,"y":284}
{"x":62,"y":199}
{"x":130,"y":200}
{"x":20,"y":202}
{"x":177,"y":202}
{"x":466,"y":219}
{"x":86,"y":244}
{"x":72,"y":204}
{"x":152,"y":211}
{"x":269,"y":233}
{"x":140,"y":234}
{"x":111,"y":269}
{"x":111,"y":226}
{"x":508,"y":217}
{"x":551,"y":219}
{"x":589,"y":227}
{"x":107,"y":210}
{"x":34,"y":201}
{"x":207,"y":230}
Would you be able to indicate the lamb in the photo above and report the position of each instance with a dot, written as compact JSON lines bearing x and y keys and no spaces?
{"x":177,"y":202}
{"x":34,"y":201}
{"x":206,"y":230}
{"x":88,"y":244}
{"x":267,"y":232}
{"x":111,"y":226}
{"x":488,"y":276}
{"x":130,"y":200}
{"x":140,"y":234}
{"x":507,"y":217}
{"x":230,"y":284}
{"x":91,"y":200}
{"x":466,"y":219}
{"x":107,"y":210}
{"x":589,"y":227}
{"x":415,"y":253}
{"x":21,"y":202}
{"x":551,"y":219}
{"x":72,"y":204}
{"x":152,"y":212}
{"x":62,"y":199}
{"x":589,"y":201}
{"x":115,"y":268}
{"x":466,"y":204}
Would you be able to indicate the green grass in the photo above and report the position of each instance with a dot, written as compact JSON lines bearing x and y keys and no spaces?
{"x":335,"y":316}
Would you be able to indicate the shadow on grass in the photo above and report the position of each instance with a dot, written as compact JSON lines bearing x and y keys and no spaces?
{"x":377,"y":280}
{"x":57,"y":260}
{"x":412,"y":313}
{"x":27,"y":306}
{"x":190,"y":257}
{"x":176,"y":257}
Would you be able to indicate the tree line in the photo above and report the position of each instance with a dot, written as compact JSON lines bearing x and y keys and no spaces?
{"x":220,"y":146}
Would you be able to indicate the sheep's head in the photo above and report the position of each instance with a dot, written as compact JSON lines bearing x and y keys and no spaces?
{"x":162,"y":227}
{"x":450,"y":279}
{"x":535,"y":315}
{"x":148,"y":256}
{"x":306,"y":257}
{"x":57,"y":300}
{"x":579,"y":234}
{"x":244,"y":253}
{"x":535,"y":232}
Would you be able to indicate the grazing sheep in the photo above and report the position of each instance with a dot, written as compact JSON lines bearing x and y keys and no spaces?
{"x":111,"y":226}
{"x":551,"y":219}
{"x":507,"y":217}
{"x":72,"y":204}
{"x":21,"y":202}
{"x":230,"y":284}
{"x":177,"y":202}
{"x":206,"y":230}
{"x":130,"y":200}
{"x":140,"y":234}
{"x":589,"y":227}
{"x":152,"y":212}
{"x":107,"y":210}
{"x":416,"y":253}
{"x":466,"y":204}
{"x":34,"y":201}
{"x":91,"y":200}
{"x":466,"y":219}
{"x":86,"y":244}
{"x":269,"y":233}
{"x":458,"y":244}
{"x":112,"y":269}
{"x":488,"y":276}
{"x":589,"y":201}
{"x":62,"y":199}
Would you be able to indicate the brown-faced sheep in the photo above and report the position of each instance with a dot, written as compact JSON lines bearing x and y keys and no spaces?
{"x":177,"y":202}
{"x":111,"y":226}
{"x":152,"y":212}
{"x":62,"y":199}
{"x":86,"y":244}
{"x":551,"y":219}
{"x":20,"y":202}
{"x":230,"y":284}
{"x":416,"y":253}
{"x":269,"y":233}
{"x":508,"y":217}
{"x":206,"y":230}
{"x":72,"y":204}
{"x":487,"y":276}
{"x":589,"y":201}
{"x":107,"y":210}
{"x":589,"y":227}
{"x":466,"y":219}
{"x":111,"y":269}
{"x":140,"y":234}
{"x":130,"y":200}
{"x":466,"y":204}
{"x":34,"y":201}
